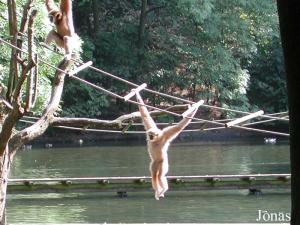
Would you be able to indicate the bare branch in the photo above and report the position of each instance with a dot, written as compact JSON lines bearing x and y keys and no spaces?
{"x":40,"y":126}
{"x":22,"y":79}
{"x":7,"y":128}
{"x":26,"y":10}
{"x":85,"y":123}
{"x":24,"y":21}
{"x":117,"y":123}
{"x":13,"y":32}
{"x":29,"y":91}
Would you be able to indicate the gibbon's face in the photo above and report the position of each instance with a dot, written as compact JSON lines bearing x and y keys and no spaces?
{"x":153,"y":134}
{"x":55,"y":17}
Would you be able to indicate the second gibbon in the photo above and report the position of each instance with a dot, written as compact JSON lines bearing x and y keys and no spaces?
{"x":158,"y":141}
{"x":62,"y":17}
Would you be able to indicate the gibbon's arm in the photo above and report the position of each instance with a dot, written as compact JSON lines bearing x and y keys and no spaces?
{"x":172,"y":132}
{"x":145,"y":115}
{"x":66,"y":8}
{"x":51,"y":6}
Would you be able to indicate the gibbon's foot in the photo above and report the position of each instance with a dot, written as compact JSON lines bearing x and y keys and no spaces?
{"x":162,"y":193}
{"x":157,"y":195}
{"x":68,"y":56}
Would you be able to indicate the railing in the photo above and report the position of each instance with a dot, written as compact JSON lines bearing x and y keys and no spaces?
{"x":253,"y":182}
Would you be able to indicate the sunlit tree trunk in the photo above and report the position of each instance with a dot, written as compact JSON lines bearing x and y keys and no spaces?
{"x":289,"y":16}
{"x":4,"y":171}
{"x":10,"y":142}
{"x":13,"y":31}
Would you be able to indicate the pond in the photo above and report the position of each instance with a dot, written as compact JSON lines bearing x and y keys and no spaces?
{"x":210,"y":206}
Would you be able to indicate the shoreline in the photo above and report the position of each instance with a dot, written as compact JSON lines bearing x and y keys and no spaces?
{"x":58,"y":137}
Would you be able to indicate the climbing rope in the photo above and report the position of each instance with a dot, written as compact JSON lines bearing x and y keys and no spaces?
{"x":143,"y":132}
{"x":135,"y":85}
{"x":176,"y":114}
{"x":152,"y":107}
{"x":163,"y":94}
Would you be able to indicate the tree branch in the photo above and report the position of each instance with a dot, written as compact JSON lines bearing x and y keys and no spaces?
{"x":13,"y":32}
{"x":29,"y":91}
{"x":118,"y":123}
{"x":26,"y":10}
{"x":40,"y":126}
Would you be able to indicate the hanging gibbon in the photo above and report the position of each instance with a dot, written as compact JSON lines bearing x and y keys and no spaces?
{"x":62,"y":17}
{"x":158,"y":141}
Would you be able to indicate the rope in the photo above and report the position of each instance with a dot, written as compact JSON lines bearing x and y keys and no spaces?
{"x":176,"y":114}
{"x":133,"y":102}
{"x":43,"y":61}
{"x":166,"y":95}
{"x":171,"y":123}
{"x":259,"y":122}
{"x":135,"y":85}
{"x":143,"y":132}
{"x":136,"y":103}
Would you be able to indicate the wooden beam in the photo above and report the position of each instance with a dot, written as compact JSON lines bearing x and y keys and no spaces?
{"x":140,"y":183}
{"x":82,"y":67}
{"x":134,"y":91}
{"x":192,"y":108}
{"x":244,"y":118}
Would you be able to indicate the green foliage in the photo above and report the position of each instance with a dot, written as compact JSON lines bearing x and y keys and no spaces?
{"x":94,"y":100}
{"x":268,"y":87}
{"x":41,"y":28}
{"x":197,"y":49}
{"x":225,"y":52}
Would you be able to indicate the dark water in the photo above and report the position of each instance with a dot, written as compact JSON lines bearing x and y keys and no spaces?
{"x":141,"y":207}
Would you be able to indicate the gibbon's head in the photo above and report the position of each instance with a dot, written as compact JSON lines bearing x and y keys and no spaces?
{"x":55,"y":16}
{"x":153,"y":134}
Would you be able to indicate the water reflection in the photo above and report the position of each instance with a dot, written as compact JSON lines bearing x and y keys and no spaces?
{"x":178,"y":207}
{"x":47,"y":208}
{"x":134,"y":160}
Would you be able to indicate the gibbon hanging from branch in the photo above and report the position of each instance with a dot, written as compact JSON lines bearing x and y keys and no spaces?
{"x":64,"y":36}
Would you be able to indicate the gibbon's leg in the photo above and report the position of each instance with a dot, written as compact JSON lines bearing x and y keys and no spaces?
{"x":68,"y":46}
{"x":162,"y":177}
{"x":154,"y":169}
{"x":68,"y":37}
{"x":54,"y":36}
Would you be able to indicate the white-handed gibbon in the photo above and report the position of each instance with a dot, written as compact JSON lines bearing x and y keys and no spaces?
{"x":64,"y":36}
{"x":158,"y":141}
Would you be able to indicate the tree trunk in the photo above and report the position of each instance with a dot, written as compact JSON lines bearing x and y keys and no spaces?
{"x":13,"y":31}
{"x":289,"y":17}
{"x":40,"y":126}
{"x":4,"y":171}
{"x":12,"y":144}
